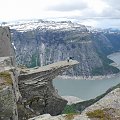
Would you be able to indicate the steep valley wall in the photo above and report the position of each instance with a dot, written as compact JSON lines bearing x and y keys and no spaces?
{"x":42,"y":46}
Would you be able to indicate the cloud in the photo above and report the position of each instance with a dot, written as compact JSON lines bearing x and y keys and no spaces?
{"x":113,"y":9}
{"x":113,"y":3}
{"x":94,"y":12}
{"x":68,"y":5}
{"x":111,"y":13}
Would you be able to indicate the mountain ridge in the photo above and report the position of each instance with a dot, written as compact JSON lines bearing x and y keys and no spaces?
{"x":52,"y":41}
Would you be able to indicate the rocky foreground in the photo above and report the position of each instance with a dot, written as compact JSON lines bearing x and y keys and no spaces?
{"x":37,"y":90}
{"x":109,"y":105}
{"x":107,"y":108}
{"x":26,"y":93}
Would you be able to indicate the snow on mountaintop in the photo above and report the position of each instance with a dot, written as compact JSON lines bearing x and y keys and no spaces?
{"x":23,"y":26}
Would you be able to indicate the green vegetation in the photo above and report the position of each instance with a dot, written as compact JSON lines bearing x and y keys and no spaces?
{"x":105,"y":69}
{"x":98,"y":71}
{"x":70,"y":116}
{"x":70,"y":112}
{"x":101,"y":114}
{"x":115,"y":40}
{"x":7,"y":77}
{"x":34,"y":61}
{"x":69,"y":109}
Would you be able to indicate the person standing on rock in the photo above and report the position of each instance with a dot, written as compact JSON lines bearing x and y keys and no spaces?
{"x":69,"y":58}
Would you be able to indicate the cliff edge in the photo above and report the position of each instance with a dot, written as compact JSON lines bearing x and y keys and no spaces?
{"x":36,"y":87}
{"x":25,"y":93}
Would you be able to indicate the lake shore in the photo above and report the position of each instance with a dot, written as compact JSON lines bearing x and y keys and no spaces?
{"x":116,"y":62}
{"x":113,"y":54}
{"x":100,"y":77}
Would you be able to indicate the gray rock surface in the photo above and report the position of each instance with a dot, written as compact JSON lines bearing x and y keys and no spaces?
{"x":9,"y":92}
{"x":5,"y":42}
{"x":60,"y":117}
{"x":37,"y":94}
{"x":37,"y":89}
{"x":48,"y":117}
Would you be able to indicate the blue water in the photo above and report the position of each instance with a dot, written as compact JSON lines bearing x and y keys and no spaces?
{"x":87,"y":89}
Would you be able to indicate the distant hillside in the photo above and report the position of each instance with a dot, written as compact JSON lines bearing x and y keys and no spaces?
{"x":41,"y":42}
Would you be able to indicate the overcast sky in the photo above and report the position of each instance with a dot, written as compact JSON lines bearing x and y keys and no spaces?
{"x":97,"y":13}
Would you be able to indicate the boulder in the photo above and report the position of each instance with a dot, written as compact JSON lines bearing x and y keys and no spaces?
{"x":37,"y":89}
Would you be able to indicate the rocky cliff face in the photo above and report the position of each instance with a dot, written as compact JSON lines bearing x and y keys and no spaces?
{"x":9,"y":92}
{"x":8,"y":98}
{"x":25,"y":93}
{"x":5,"y":42}
{"x":42,"y":42}
{"x":37,"y":90}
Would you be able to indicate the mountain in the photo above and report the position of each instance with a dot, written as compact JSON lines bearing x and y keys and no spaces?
{"x":41,"y":42}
